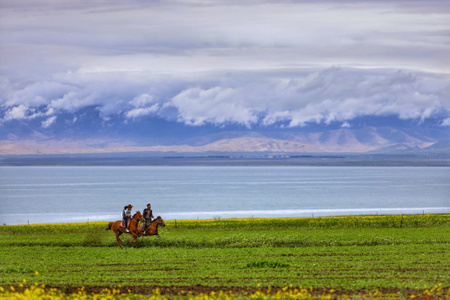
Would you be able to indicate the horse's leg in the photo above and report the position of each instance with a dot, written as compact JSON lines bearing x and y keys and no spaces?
{"x":118,"y":233}
{"x":135,"y":237}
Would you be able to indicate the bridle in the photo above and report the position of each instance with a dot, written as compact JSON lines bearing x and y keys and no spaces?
{"x":158,"y":221}
{"x":137,"y":221}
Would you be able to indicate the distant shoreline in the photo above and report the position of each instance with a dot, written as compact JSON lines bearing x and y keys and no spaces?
{"x":243,"y":219}
{"x":376,"y":212}
{"x":234,"y":159}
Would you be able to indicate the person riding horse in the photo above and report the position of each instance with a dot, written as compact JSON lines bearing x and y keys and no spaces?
{"x":134,"y":231}
{"x":126,"y":216}
{"x":148,"y":216}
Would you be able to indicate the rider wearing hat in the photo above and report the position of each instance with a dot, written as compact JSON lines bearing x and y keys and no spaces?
{"x":126,"y":215}
{"x":148,"y":215}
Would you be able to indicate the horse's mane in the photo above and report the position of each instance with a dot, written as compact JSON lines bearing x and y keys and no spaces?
{"x":157,"y":218}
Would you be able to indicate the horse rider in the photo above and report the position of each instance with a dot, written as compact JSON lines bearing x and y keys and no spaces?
{"x":148,"y":216}
{"x":126,"y":216}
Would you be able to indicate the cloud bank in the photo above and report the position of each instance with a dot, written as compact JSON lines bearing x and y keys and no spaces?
{"x":283,"y":99}
{"x":264,"y":63}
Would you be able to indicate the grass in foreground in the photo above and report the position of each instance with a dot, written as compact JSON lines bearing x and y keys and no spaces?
{"x":399,"y":256}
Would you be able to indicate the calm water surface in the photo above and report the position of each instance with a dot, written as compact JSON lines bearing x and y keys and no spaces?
{"x":79,"y":194}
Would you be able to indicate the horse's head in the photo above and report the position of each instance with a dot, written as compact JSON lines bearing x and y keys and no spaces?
{"x":138,"y":216}
{"x":160,"y":221}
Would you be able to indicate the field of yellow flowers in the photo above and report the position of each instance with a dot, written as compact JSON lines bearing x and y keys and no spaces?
{"x":37,"y":291}
{"x":357,"y":257}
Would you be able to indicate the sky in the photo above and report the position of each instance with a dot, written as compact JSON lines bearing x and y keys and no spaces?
{"x":248,"y":63}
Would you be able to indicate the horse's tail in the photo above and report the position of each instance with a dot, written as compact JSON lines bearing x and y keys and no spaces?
{"x":109,"y":226}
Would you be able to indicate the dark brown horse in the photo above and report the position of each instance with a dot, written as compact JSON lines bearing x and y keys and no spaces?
{"x":118,"y":230}
{"x":153,"y":230}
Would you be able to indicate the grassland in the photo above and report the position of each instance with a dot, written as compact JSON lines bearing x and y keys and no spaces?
{"x":365,"y":256}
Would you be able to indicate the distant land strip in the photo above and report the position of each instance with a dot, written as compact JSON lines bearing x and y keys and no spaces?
{"x":230,"y":159}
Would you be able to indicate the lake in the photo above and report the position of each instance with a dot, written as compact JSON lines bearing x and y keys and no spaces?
{"x":83,"y":194}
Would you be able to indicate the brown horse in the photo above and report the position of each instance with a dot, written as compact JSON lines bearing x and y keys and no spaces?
{"x":118,"y":230}
{"x":153,"y":230}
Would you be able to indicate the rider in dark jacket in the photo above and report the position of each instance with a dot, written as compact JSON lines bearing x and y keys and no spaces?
{"x":148,"y":216}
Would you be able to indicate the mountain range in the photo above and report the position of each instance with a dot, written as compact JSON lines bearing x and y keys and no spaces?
{"x":91,"y":134}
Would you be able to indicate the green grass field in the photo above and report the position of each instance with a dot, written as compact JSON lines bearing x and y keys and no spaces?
{"x":401,"y":255}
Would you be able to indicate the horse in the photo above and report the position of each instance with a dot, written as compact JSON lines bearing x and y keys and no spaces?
{"x":118,"y":230}
{"x":153,"y":230}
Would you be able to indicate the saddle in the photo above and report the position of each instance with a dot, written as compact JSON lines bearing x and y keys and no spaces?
{"x":142,"y":229}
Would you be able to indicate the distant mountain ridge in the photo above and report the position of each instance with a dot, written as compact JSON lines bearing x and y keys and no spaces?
{"x":369,"y":139}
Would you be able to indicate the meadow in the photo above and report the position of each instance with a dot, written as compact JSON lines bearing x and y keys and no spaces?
{"x":369,"y":257}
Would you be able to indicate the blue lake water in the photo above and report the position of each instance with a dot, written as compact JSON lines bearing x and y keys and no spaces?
{"x":82,"y":194}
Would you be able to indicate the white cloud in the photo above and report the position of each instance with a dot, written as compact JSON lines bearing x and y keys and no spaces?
{"x":215,"y":105}
{"x":142,"y":100}
{"x":346,"y":125}
{"x":70,"y":101}
{"x":16,"y":112}
{"x":23,"y":112}
{"x":32,"y":93}
{"x":47,"y":123}
{"x":141,"y":111}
